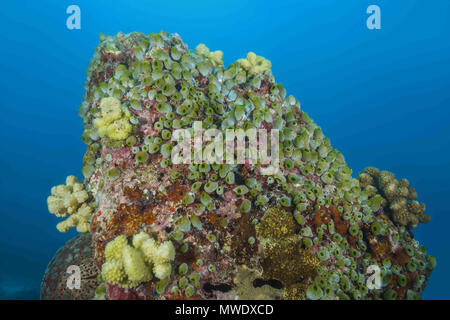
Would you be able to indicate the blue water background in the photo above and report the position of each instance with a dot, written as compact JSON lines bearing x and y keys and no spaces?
{"x":382,"y":96}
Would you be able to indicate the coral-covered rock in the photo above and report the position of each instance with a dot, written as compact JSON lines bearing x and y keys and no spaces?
{"x":177,"y":216}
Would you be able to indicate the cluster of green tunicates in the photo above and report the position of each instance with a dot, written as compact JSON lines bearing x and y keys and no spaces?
{"x":357,"y":208}
{"x":411,"y":273}
{"x":100,"y":291}
{"x":346,"y":281}
{"x":169,"y":77}
{"x":187,"y":285}
{"x":332,"y":284}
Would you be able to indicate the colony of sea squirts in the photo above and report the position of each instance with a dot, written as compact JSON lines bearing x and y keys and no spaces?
{"x":225,"y":231}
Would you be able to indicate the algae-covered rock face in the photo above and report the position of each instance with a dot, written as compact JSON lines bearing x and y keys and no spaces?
{"x":166,"y":229}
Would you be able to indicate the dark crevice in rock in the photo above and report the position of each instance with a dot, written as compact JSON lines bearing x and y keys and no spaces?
{"x":276,"y":284}
{"x":223,"y":287}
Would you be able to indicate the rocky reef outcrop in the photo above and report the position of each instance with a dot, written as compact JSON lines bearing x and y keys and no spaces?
{"x":308,"y":228}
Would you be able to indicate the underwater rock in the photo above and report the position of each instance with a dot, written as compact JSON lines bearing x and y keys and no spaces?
{"x":77,"y":251}
{"x":164,"y":229}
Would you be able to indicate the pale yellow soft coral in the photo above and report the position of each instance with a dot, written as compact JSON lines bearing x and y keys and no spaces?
{"x":70,"y":198}
{"x":254,"y":64}
{"x":55,"y":201}
{"x":216,"y":57}
{"x":139,"y":238}
{"x":112,"y":121}
{"x":149,"y":247}
{"x":124,"y":265}
{"x":202,"y":50}
{"x":163,"y":270}
{"x":113,"y":271}
{"x":65,"y":199}
{"x":160,"y":255}
{"x":135,"y":267}
{"x":113,"y":250}
{"x":79,"y":220}
{"x":165,"y":252}
{"x":129,"y":264}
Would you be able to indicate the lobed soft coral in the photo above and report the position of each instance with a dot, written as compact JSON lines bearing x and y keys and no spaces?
{"x":254,"y":64}
{"x":159,"y":255}
{"x":79,"y":220}
{"x":397,"y":197}
{"x":216,"y":57}
{"x":129,"y":265}
{"x":70,"y":199}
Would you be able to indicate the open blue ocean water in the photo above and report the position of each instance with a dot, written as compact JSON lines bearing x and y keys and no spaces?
{"x":382,"y":96}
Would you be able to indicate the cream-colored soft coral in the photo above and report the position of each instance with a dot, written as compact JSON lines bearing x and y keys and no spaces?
{"x":79,"y":220}
{"x":139,"y":238}
{"x":216,"y":57}
{"x":129,"y":264}
{"x":160,"y":255}
{"x":113,"y":271}
{"x":66,"y":199}
{"x":254,"y":64}
{"x":70,"y":198}
{"x":134,"y":264}
{"x":113,"y":250}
